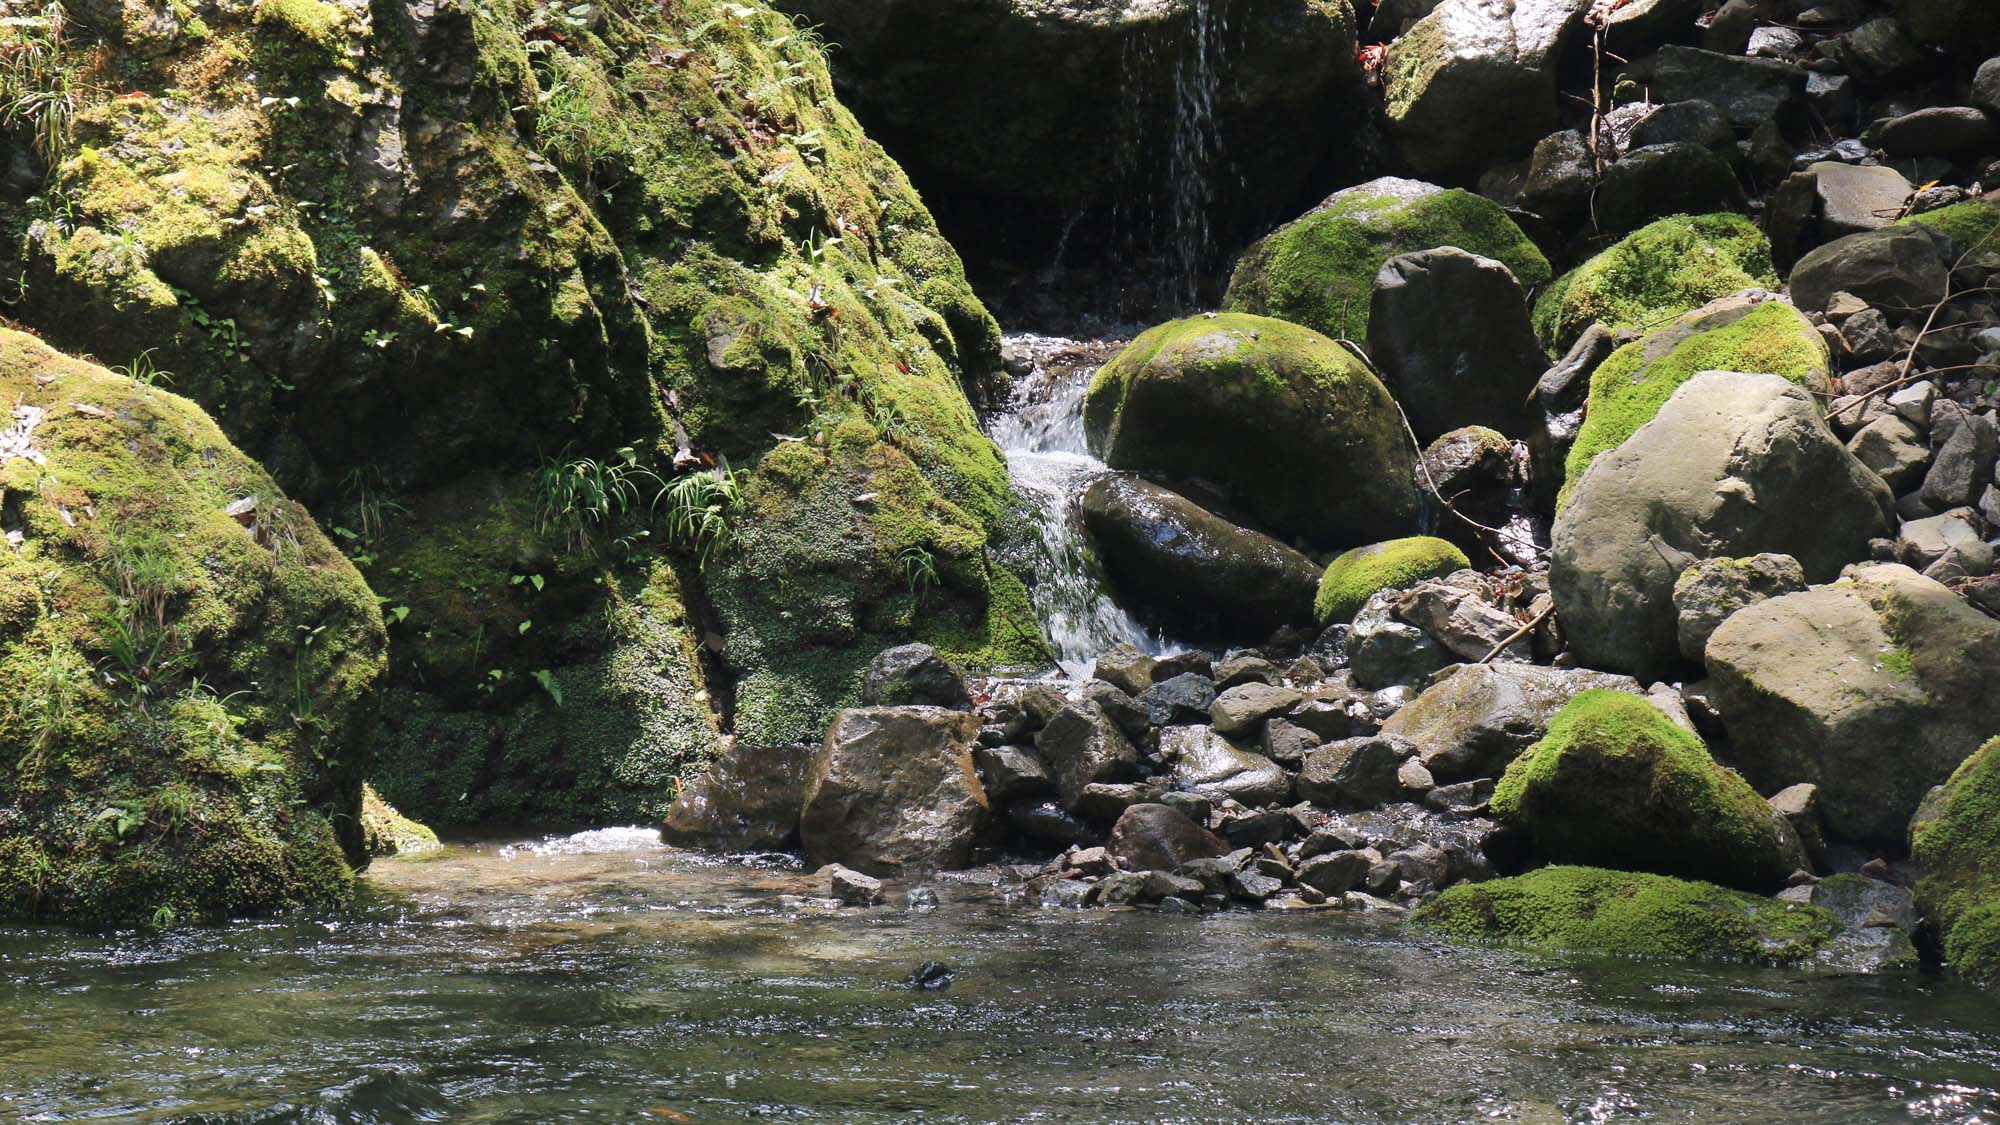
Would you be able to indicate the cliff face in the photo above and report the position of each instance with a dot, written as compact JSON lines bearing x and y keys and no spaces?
{"x":551,"y":313}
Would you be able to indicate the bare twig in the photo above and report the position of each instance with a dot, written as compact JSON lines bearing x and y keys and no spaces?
{"x":1518,"y":634}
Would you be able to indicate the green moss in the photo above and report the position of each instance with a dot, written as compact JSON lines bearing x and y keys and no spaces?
{"x":1615,"y":783}
{"x":1955,"y":841}
{"x":1361,"y":573}
{"x":315,"y":23}
{"x":1631,"y":385}
{"x":1659,"y":271}
{"x":1319,"y":271}
{"x":1969,"y":224}
{"x":388,"y":832}
{"x":1632,"y":914}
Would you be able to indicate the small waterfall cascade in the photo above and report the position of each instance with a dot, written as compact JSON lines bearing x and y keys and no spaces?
{"x":1041,"y":433}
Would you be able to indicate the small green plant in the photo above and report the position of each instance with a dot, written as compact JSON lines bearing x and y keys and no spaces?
{"x":39,"y":85}
{"x":304,"y":711}
{"x":366,"y":503}
{"x":57,"y":680}
{"x":122,"y":820}
{"x":140,"y":658}
{"x":920,"y":570}
{"x":547,"y":680}
{"x":590,"y":501}
{"x":143,"y":371}
{"x":163,"y":918}
{"x":147,"y":581}
{"x":172,"y":804}
{"x":699,"y":510}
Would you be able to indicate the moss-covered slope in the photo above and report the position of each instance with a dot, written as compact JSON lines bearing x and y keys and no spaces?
{"x":1955,"y":840}
{"x":185,"y":664}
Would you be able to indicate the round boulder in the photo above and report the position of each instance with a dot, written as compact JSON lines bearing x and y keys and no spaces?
{"x":1361,"y":573}
{"x":1450,"y":331}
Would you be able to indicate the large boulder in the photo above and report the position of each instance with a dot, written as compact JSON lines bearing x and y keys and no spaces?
{"x":186,"y":665}
{"x":1288,"y":423}
{"x":1043,"y":110}
{"x":1151,"y":837}
{"x":1475,"y":82}
{"x":1955,"y":842}
{"x":1734,"y":464}
{"x":1967,"y":28}
{"x":1902,"y":269}
{"x":1748,"y":91}
{"x":1829,"y":201}
{"x":914,"y":674}
{"x":893,"y":790}
{"x":1176,"y":561}
{"x":1615,"y":783}
{"x":1668,"y":267}
{"x":1633,"y":914}
{"x":1319,"y":270}
{"x":748,"y":799}
{"x":1742,"y":333}
{"x":1357,"y":575}
{"x":1874,"y":689}
{"x":1206,"y":763}
{"x":1477,"y":720}
{"x":1450,"y":332}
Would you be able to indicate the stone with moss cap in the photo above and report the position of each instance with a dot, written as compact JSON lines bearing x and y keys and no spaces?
{"x":1357,"y":575}
{"x":1955,"y":841}
{"x":185,"y":665}
{"x":1630,"y":913}
{"x":389,"y":832}
{"x":1299,"y":434}
{"x":1615,"y":783}
{"x":1738,"y":333}
{"x":1661,"y":270}
{"x":1319,"y":270}
{"x":1969,"y":224}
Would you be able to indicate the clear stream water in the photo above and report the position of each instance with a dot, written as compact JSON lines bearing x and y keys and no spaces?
{"x":605,"y":978}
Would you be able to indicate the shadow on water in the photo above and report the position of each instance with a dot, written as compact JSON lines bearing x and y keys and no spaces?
{"x":606,"y":978}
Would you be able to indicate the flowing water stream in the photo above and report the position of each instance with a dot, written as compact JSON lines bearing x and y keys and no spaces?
{"x":605,"y":978}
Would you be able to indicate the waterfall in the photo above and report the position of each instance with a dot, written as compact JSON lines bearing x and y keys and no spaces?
{"x":1041,"y":433}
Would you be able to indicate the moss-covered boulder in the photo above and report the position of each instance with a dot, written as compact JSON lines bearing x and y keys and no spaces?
{"x":1319,"y":270}
{"x":1969,"y":224}
{"x":1666,"y":268}
{"x":1731,"y":334}
{"x":1357,"y":575}
{"x":386,"y":832}
{"x":1955,"y":841}
{"x":1294,"y":429}
{"x":1587,"y":908}
{"x":185,"y":664}
{"x":1615,"y":783}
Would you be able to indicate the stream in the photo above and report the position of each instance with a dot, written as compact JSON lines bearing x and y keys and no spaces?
{"x":605,"y":978}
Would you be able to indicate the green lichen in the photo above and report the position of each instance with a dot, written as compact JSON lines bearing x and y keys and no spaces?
{"x":1969,"y":224}
{"x":1354,"y":577}
{"x":1955,"y":841}
{"x":1631,"y":385}
{"x":1615,"y":783}
{"x":1319,"y":271}
{"x":1632,"y":914}
{"x":1659,"y":271}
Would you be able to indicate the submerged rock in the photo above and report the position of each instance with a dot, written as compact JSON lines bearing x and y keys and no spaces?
{"x":1289,"y":425}
{"x":893,"y":790}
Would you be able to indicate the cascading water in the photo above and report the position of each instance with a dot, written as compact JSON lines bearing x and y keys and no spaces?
{"x":1041,"y":432}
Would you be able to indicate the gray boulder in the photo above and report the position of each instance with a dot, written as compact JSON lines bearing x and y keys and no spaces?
{"x":748,"y":799}
{"x":914,"y":675}
{"x":1873,"y":689}
{"x":1355,"y":772}
{"x":1733,"y":465}
{"x":1709,"y":591}
{"x":1894,"y":450}
{"x":1082,"y":746}
{"x":1152,"y":837}
{"x":1963,"y":465}
{"x":1186,"y":565}
{"x":1667,"y":179}
{"x":1386,"y":651}
{"x":893,"y":789}
{"x":1450,"y":331}
{"x":1829,"y":201}
{"x":1748,"y":91}
{"x":1900,"y":269}
{"x":1242,"y":709}
{"x":1472,"y":723}
{"x":1942,"y":130}
{"x":1210,"y":765}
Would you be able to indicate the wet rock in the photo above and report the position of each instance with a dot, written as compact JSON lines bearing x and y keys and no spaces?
{"x":1127,"y":712}
{"x":1048,"y":821}
{"x":1205,"y":762}
{"x":1011,"y":772}
{"x":748,"y":799}
{"x":893,"y":789}
{"x":1242,"y":710}
{"x":1082,"y":745}
{"x":1748,"y":91}
{"x":1335,"y":873}
{"x":853,"y":888}
{"x":1799,"y":805}
{"x":1127,"y":667}
{"x":1561,"y":175}
{"x":1472,"y":723}
{"x":1694,"y":122}
{"x":1450,"y":331}
{"x":1463,"y":798}
{"x":1179,"y":699}
{"x":1287,"y":743}
{"x":1193,"y":662}
{"x":1157,"y":838}
{"x":1709,"y":591}
{"x":1355,"y":772}
{"x":1877,"y":919}
{"x":1955,"y":844}
{"x":1873,"y":690}
{"x":1385,"y":651}
{"x":1253,"y":828}
{"x":1103,"y":802}
{"x":1900,"y":267}
{"x":1733,"y":464}
{"x":914,"y":675}
{"x":1244,"y":668}
{"x":931,"y":976}
{"x":1251,"y":886}
{"x":1123,"y":888}
{"x":1186,"y":565}
{"x":1287,"y":423}
{"x":1665,"y":179}
{"x":1878,"y":53}
{"x":1949,"y":131}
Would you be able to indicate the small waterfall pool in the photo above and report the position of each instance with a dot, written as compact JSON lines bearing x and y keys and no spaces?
{"x":1041,"y":432}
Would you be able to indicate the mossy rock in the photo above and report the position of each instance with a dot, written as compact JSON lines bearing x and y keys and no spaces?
{"x":1732,"y":334}
{"x":1630,"y":913}
{"x":1969,"y":224}
{"x":1615,"y":783}
{"x":186,"y":669}
{"x":1319,"y":270}
{"x":1657,"y":272}
{"x":388,"y":832}
{"x":1955,"y":841}
{"x":1354,"y":577}
{"x":1301,"y":436}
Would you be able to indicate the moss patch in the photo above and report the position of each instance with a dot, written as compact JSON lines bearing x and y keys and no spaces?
{"x":1615,"y":783}
{"x":1969,"y":224}
{"x":1319,"y":271}
{"x":388,"y":832}
{"x":1955,"y":840}
{"x":1659,"y":271}
{"x":1633,"y":914}
{"x":1361,"y":573}
{"x":1631,"y":385}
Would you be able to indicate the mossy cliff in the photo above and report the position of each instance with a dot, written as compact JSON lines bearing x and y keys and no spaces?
{"x":1955,"y":840}
{"x":480,"y":283}
{"x":185,"y":664}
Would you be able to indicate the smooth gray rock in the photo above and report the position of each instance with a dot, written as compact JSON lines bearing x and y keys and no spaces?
{"x":1828,"y":201}
{"x":1151,"y":837}
{"x":1707,"y":593}
{"x":1667,"y":179}
{"x":1894,"y":449}
{"x":1899,"y":269}
{"x":1963,"y":466}
{"x":1082,"y":745}
{"x":1945,"y":130}
{"x":893,"y":789}
{"x":914,"y":675}
{"x":1206,"y":763}
{"x":1355,"y":772}
{"x":1241,"y":710}
{"x":748,"y":799}
{"x":1450,"y":331}
{"x":1474,"y":722}
{"x":1011,"y":772}
{"x":1748,"y":91}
